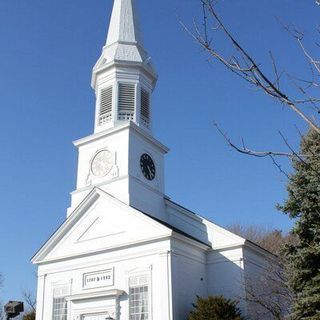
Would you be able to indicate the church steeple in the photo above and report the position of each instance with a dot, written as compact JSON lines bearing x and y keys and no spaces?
{"x":123,"y":78}
{"x":122,"y":157}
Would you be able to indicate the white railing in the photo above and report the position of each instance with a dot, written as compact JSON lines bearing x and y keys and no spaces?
{"x":145,"y":122}
{"x":126,"y":115}
{"x":105,"y":118}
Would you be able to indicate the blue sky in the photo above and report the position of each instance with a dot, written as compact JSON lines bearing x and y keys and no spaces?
{"x":48,"y":49}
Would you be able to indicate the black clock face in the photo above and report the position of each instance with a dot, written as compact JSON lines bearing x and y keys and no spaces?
{"x":147,"y":167}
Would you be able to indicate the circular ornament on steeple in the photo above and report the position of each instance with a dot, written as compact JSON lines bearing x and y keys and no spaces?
{"x":102,"y":163}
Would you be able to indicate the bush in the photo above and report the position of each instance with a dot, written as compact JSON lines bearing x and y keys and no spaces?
{"x":29,"y":316}
{"x":215,"y":308}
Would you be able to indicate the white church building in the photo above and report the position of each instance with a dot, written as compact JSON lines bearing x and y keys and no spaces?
{"x":126,"y":251}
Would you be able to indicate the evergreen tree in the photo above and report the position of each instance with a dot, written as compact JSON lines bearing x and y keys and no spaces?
{"x":215,"y":308}
{"x":303,"y":204}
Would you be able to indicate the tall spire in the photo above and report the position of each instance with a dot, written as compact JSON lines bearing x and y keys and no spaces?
{"x":124,"y":24}
{"x":124,"y":42}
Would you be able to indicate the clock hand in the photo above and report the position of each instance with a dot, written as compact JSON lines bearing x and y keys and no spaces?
{"x":150,"y":173}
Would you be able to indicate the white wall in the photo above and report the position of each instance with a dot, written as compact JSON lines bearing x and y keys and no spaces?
{"x":125,"y":181}
{"x":188,"y":277}
{"x":262,"y":282}
{"x":151,"y":258}
{"x":225,"y":274}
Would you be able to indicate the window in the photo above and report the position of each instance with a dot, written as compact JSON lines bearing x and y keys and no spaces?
{"x":126,"y":102}
{"x":105,"y":112}
{"x":139,"y":303}
{"x":60,"y":309}
{"x":145,"y":107}
{"x":139,"y":298}
{"x":60,"y":305}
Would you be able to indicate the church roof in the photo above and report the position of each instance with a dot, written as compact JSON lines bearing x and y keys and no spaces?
{"x":174,"y":229}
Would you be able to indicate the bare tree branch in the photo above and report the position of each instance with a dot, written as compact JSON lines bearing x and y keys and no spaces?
{"x":259,"y":154}
{"x":267,"y":293}
{"x":30,"y":300}
{"x":315,"y":63}
{"x":248,"y":69}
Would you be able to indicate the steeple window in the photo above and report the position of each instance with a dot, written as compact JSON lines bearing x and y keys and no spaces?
{"x":105,"y":114}
{"x":126,"y":102}
{"x":145,"y":108}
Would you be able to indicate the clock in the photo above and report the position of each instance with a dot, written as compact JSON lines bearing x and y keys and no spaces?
{"x":147,"y":167}
{"x":102,"y":163}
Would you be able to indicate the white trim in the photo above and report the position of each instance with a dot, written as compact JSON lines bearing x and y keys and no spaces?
{"x":228,"y":247}
{"x":93,"y":295}
{"x":261,"y":251}
{"x":194,"y":243}
{"x":120,"y":178}
{"x":66,"y":226}
{"x":140,"y":66}
{"x":114,"y":248}
{"x":181,"y":209}
{"x":121,"y":127}
{"x":102,"y":262}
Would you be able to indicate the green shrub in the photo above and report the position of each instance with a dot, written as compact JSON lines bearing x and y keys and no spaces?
{"x":215,"y":308}
{"x":29,"y":316}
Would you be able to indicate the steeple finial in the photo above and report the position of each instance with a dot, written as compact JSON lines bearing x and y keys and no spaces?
{"x":124,"y":24}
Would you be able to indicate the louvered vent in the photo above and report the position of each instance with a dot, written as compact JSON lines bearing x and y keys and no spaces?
{"x":145,"y":107}
{"x":126,"y":101}
{"x":105,"y":105}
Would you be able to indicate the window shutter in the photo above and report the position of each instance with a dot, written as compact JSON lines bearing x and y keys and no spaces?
{"x":126,"y":101}
{"x":145,"y":107}
{"x":105,"y":105}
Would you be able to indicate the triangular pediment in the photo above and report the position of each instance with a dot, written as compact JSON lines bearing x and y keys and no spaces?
{"x":100,"y":229}
{"x":100,"y":223}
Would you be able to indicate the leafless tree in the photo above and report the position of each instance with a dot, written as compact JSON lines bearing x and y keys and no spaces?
{"x":30,"y":301}
{"x":30,"y":305}
{"x":272,"y":240}
{"x":267,"y":292}
{"x":237,"y":60}
{"x":1,"y":311}
{"x":1,"y":302}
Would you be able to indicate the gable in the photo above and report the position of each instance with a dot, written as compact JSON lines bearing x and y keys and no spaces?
{"x":100,"y":223}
